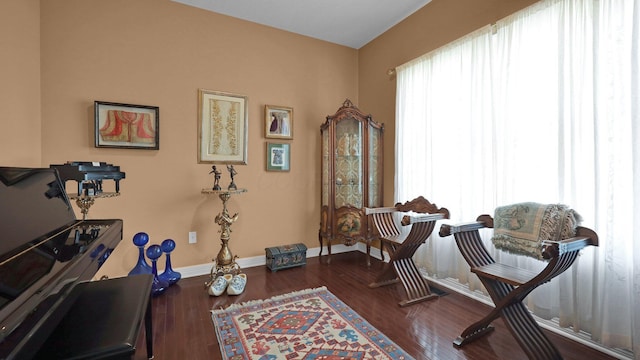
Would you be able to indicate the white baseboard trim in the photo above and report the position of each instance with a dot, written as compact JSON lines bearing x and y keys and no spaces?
{"x":205,"y":269}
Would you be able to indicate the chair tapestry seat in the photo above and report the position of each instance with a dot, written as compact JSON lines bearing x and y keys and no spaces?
{"x":521,"y":228}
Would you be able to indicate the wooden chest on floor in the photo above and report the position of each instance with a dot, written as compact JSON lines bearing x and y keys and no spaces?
{"x":286,"y":256}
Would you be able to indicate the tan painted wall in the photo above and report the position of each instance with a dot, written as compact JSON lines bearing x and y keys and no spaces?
{"x":436,"y":24}
{"x":157,"y":52}
{"x":20,"y":142}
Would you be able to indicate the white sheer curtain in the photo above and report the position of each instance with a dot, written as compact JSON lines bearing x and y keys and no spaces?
{"x":543,"y":106}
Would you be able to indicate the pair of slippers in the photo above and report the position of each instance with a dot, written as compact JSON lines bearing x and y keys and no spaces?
{"x":234,"y":284}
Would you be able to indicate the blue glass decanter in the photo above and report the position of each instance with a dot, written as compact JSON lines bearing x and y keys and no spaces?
{"x":159,"y":285}
{"x":140,"y":240}
{"x":169,"y":275}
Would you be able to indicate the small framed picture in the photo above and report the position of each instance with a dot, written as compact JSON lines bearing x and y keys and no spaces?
{"x":126,"y":126}
{"x":278,"y":122}
{"x":278,"y":157}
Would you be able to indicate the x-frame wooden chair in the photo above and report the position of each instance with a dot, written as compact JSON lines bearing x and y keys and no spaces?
{"x":402,"y":245}
{"x":508,"y":286}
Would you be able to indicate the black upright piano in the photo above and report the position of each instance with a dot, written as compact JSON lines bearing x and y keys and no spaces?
{"x":49,"y":307}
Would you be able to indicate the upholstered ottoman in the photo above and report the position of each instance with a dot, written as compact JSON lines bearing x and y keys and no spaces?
{"x":286,"y":256}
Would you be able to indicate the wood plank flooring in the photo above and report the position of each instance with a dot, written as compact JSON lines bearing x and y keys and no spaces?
{"x":183,"y":328}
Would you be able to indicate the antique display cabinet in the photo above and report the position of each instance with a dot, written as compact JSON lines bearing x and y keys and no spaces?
{"x":351,"y":177}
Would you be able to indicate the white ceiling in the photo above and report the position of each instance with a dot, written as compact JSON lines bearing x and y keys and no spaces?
{"x":351,"y":23}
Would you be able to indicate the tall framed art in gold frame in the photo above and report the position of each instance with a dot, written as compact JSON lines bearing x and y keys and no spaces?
{"x":223,"y":120}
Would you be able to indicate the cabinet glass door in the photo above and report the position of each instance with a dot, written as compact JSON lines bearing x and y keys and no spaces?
{"x":375,"y":167}
{"x":326,"y":159}
{"x":349,"y":166}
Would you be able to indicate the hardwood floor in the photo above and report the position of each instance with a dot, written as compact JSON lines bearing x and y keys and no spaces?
{"x":183,"y":328}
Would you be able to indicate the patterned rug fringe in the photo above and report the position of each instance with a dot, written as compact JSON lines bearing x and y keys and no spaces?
{"x":275,"y":298}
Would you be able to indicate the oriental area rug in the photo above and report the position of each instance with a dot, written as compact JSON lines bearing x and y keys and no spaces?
{"x":308,"y":324}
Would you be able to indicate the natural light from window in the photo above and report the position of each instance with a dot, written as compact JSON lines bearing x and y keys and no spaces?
{"x":542,"y":106}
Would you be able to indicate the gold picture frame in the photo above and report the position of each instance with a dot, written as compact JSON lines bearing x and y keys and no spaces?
{"x":223,"y":120}
{"x":278,"y":122}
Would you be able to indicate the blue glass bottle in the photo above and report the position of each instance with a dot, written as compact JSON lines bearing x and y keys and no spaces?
{"x":158,"y":286}
{"x":140,"y":240}
{"x":169,"y":275}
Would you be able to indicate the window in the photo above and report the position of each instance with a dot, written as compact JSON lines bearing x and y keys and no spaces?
{"x":542,"y":106}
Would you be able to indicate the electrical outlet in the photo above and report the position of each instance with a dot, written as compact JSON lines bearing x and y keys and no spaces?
{"x":193,"y":238}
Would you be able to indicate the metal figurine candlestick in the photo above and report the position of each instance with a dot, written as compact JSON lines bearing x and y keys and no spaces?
{"x":225,"y":221}
{"x":216,"y":177}
{"x":232,"y":173}
{"x":225,"y":262}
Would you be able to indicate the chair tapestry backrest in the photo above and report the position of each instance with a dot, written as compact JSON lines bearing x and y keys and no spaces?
{"x":521,"y":228}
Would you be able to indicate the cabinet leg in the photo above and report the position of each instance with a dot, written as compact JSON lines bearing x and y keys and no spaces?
{"x":368,"y":254}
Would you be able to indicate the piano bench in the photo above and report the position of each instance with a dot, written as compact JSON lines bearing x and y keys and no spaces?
{"x":104,"y":321}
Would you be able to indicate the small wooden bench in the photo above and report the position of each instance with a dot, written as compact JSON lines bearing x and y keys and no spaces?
{"x":508,"y":286}
{"x":402,"y":245}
